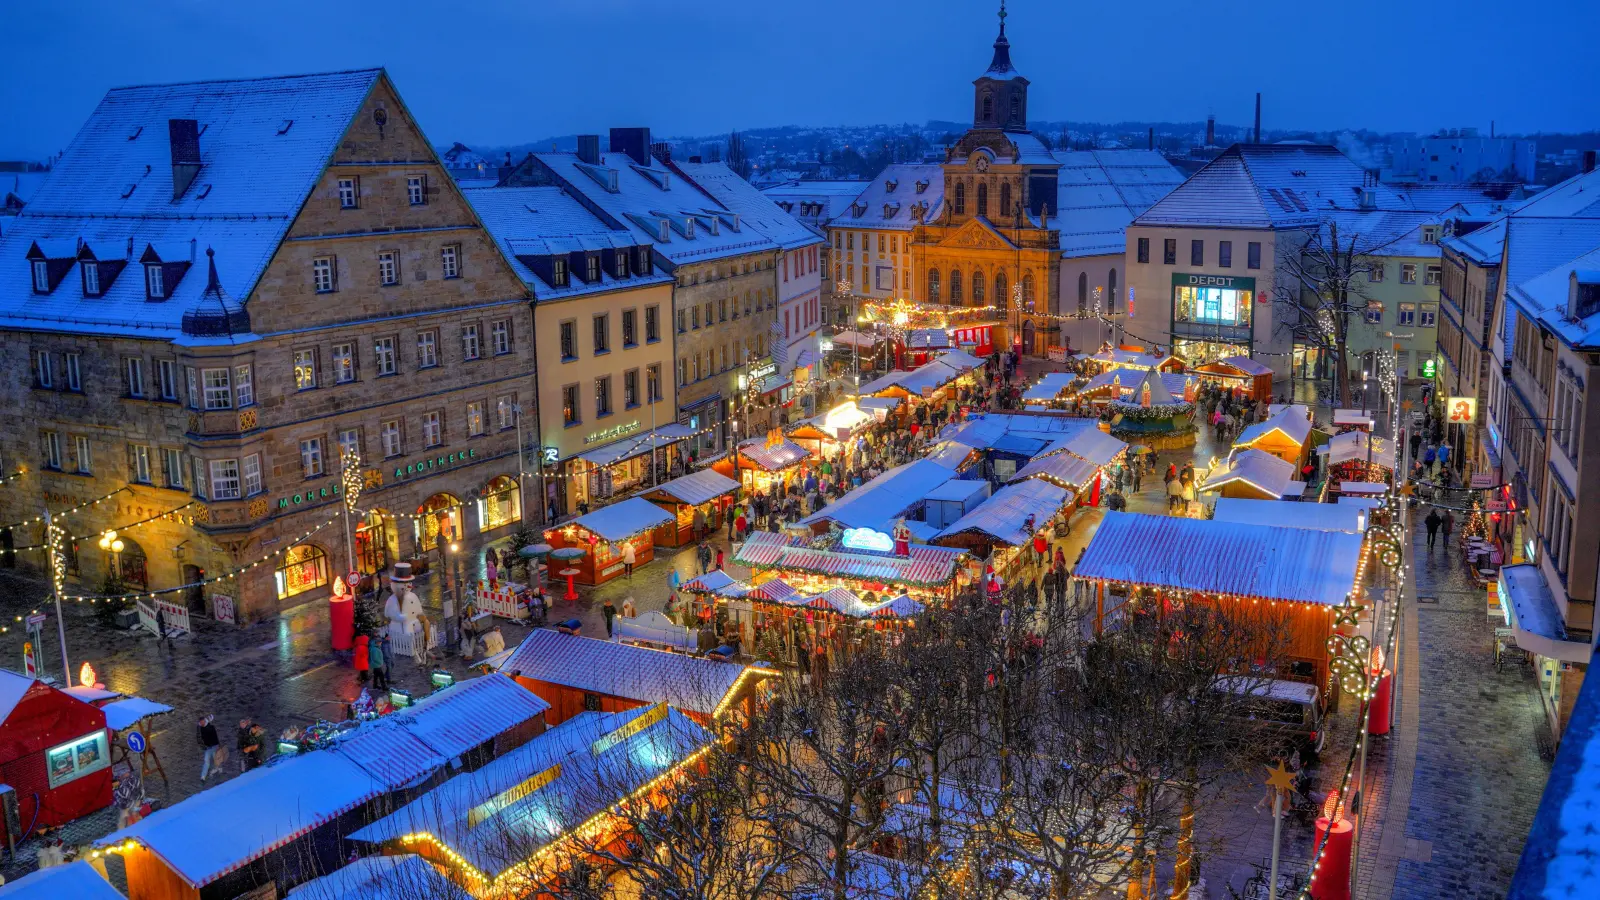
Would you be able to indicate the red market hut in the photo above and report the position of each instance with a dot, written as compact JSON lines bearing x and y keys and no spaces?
{"x":1252,"y":378}
{"x":607,"y":531}
{"x":54,"y":750}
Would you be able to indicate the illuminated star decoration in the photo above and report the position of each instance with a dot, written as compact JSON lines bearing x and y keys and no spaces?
{"x":1279,"y":777}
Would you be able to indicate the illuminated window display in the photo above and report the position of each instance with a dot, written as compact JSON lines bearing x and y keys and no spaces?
{"x":440,"y":515}
{"x":1212,"y":305}
{"x":501,"y":503}
{"x":304,"y":568}
{"x":77,"y":758}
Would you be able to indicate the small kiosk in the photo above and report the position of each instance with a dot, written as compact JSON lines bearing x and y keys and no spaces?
{"x":706,"y":491}
{"x":1250,"y":378}
{"x":54,"y":750}
{"x":764,"y":462}
{"x":605,"y":533}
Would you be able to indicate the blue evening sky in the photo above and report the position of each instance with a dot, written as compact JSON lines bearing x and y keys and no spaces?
{"x":490,"y":72}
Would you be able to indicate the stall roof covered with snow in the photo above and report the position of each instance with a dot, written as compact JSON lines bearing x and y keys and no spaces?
{"x":693,"y":489}
{"x":1291,"y":423}
{"x":690,"y":683}
{"x":470,"y":712}
{"x":1353,"y":446}
{"x":1258,"y":472}
{"x":623,"y":519}
{"x":885,"y":498}
{"x":1048,"y":388}
{"x":1003,"y":517}
{"x":772,"y":455}
{"x":532,"y":798}
{"x":73,"y":881}
{"x":404,"y":876}
{"x":925,"y":567}
{"x":1259,"y":561}
{"x":1292,"y":514}
{"x":1064,"y":469}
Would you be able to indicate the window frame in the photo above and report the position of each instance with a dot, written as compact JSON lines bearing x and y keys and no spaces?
{"x":217,"y":469}
{"x":1142,"y":249}
{"x":324,"y":275}
{"x":173,"y":467}
{"x":652,"y":323}
{"x":450,"y":261}
{"x":477,"y":419}
{"x":388,"y":268}
{"x":571,"y":405}
{"x":133,"y":376}
{"x":250,"y":475}
{"x":216,"y":396}
{"x":91,"y":278}
{"x":50,"y":447}
{"x":139,"y":464}
{"x":72,"y":368}
{"x":348,"y":188}
{"x":432,"y":422}
{"x":1197,"y":253}
{"x":1169,"y":251}
{"x":427,"y":348}
{"x":167,"y":379}
{"x":601,"y":333}
{"x":344,"y":363}
{"x":500,"y":336}
{"x":392,"y":431}
{"x":471,"y":342}
{"x":155,"y":282}
{"x":1252,"y":255}
{"x":244,"y":386}
{"x":305,"y":369}
{"x":385,"y":347}
{"x":417,"y":190}
{"x":312,"y":462}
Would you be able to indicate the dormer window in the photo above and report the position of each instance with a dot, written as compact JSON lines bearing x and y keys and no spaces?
{"x":622,"y":264}
{"x":1430,"y":234}
{"x":592,"y":268}
{"x":155,"y":282}
{"x":41,"y":277}
{"x":91,"y":278}
{"x":558,"y":272}
{"x":890,"y":185}
{"x":921,"y":185}
{"x":643,"y":266}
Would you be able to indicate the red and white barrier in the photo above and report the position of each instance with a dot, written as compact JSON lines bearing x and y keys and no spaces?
{"x":176,"y":617}
{"x":502,"y":602}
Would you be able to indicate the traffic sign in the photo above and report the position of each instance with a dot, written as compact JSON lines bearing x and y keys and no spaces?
{"x":36,"y":619}
{"x":135,"y":742}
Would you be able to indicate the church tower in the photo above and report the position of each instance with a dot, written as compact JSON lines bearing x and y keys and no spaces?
{"x":1000,"y":94}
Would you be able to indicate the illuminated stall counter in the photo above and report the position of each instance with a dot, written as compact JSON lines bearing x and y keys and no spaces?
{"x":707,"y":491}
{"x":604,"y":533}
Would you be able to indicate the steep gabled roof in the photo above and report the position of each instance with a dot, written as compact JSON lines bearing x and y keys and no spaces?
{"x":1099,"y":192}
{"x":1270,"y":186}
{"x":888,"y":200}
{"x":756,"y":210}
{"x":544,"y":221}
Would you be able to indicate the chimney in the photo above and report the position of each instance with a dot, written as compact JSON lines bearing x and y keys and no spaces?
{"x":589,"y":149}
{"x":1258,"y":117}
{"x":633,"y":141}
{"x":1588,"y":161}
{"x":1152,"y":139}
{"x":661,"y":150}
{"x":1491,"y":129}
{"x":1211,"y":131}
{"x":184,"y":136}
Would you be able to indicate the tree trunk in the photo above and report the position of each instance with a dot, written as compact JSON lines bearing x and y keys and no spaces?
{"x":1182,"y":871}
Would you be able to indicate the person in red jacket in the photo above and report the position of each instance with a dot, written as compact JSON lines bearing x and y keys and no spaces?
{"x":361,"y":657}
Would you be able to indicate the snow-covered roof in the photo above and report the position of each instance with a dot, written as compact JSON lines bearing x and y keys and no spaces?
{"x":928,"y":378}
{"x":927,"y":565}
{"x":12,"y":689}
{"x":224,"y":828}
{"x":1262,"y":561}
{"x":1101,"y":191}
{"x":1382,"y":233}
{"x":624,"y":519}
{"x":829,"y":198}
{"x":1291,"y":422}
{"x":1090,"y":444}
{"x":928,"y":339}
{"x":74,"y":881}
{"x":888,"y":200}
{"x":877,"y":503}
{"x":692,"y":683}
{"x":130,"y":711}
{"x":683,"y":222}
{"x":950,"y":454}
{"x":1352,"y":445}
{"x":536,"y":794}
{"x":547,"y":221}
{"x":1292,"y":514}
{"x":1247,"y":365}
{"x":637,"y":444}
{"x":263,"y":145}
{"x":1257,"y":468}
{"x":470,"y":712}
{"x":1003,"y":515}
{"x":695,"y":488}
{"x":884,"y":382}
{"x":1063,"y":468}
{"x":960,"y":360}
{"x":756,"y":210}
{"x":1482,"y":246}
{"x":1545,"y":298}
{"x":1022,"y":147}
{"x":784,"y":454}
{"x":1270,"y":186}
{"x":989,"y":430}
{"x":402,"y":877}
{"x":957,"y":489}
{"x":1048,"y":387}
{"x":1558,"y":860}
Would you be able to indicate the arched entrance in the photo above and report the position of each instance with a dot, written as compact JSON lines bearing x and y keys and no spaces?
{"x":194,"y":595}
{"x":377,"y":542}
{"x":304,"y":568}
{"x":441,"y":515}
{"x":501,"y":504}
{"x":135,"y":567}
{"x":1027,"y":337}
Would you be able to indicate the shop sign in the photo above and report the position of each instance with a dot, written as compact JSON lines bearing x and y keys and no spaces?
{"x":1461,"y":410}
{"x":611,"y":433}
{"x":551,"y":455}
{"x":762,"y":370}
{"x":867,"y":539}
{"x":61,"y":499}
{"x":311,"y":495}
{"x":1227,"y":282}
{"x":438,"y":462}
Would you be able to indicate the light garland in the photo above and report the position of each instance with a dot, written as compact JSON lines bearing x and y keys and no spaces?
{"x":4,"y":479}
{"x":65,"y":512}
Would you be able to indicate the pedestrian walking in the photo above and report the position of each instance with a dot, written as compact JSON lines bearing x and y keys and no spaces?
{"x":423,"y":639}
{"x":629,"y":609}
{"x":610,"y":612}
{"x":1174,"y":494}
{"x":359,"y":657}
{"x":256,"y":753}
{"x":719,"y":559}
{"x":700,"y":523}
{"x":628,"y":558}
{"x":241,"y":740}
{"x":379,"y":665}
{"x":703,"y":552}
{"x":206,"y":735}
{"x":1447,"y":526}
{"x":1432,"y":522}
{"x":387,"y":654}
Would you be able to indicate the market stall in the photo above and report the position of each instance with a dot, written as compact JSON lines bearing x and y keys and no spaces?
{"x":1253,"y":475}
{"x":1049,"y":390}
{"x":1002,"y":526}
{"x":925,"y":573}
{"x":54,"y":750}
{"x":1137,"y":564}
{"x":825,"y":436}
{"x":764,"y":463}
{"x":1285,"y":434}
{"x":777,"y":621}
{"x":1359,"y":456}
{"x":1250,"y":378}
{"x":605,"y":533}
{"x":620,"y":463}
{"x":404,"y":876}
{"x":706,"y":492}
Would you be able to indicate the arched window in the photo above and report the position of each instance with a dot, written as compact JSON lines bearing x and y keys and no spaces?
{"x":1027,"y":289}
{"x":1016,"y":107}
{"x":1001,"y":298}
{"x":955,"y":287}
{"x":933,"y":285}
{"x":988,"y":108}
{"x":961,"y":199}
{"x":1111,"y":297}
{"x":304,"y":568}
{"x":1005,"y":200}
{"x":977,"y":288}
{"x":1083,"y":292}
{"x":983,"y":199}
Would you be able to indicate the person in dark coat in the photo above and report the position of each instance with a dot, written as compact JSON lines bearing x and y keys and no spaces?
{"x":1432,"y":522}
{"x":609,"y":610}
{"x":206,"y":733}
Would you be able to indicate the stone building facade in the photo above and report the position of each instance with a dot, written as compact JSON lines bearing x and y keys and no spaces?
{"x":304,"y":294}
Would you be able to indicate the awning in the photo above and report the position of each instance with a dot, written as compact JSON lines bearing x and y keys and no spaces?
{"x":774,"y":383}
{"x":856,"y":339}
{"x":695,"y":488}
{"x":123,"y":714}
{"x":637,"y":444}
{"x":1531,"y":612}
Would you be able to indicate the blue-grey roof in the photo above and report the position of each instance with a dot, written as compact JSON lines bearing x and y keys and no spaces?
{"x":1270,"y":186}
{"x":696,"y":488}
{"x":887,"y":201}
{"x":77,"y":880}
{"x":382,"y":877}
{"x":756,"y":210}
{"x":685,"y":223}
{"x":263,"y":145}
{"x":1383,"y":232}
{"x":1561,"y":859}
{"x":1003,"y":515}
{"x":692,"y":683}
{"x":880,"y":501}
{"x":547,"y":221}
{"x":1100,"y":191}
{"x":624,"y":519}
{"x":1545,"y":298}
{"x":470,"y":712}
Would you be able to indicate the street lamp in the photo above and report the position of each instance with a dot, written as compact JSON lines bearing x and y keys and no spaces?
{"x":110,"y":543}
{"x":845,"y":287}
{"x":350,"y":483}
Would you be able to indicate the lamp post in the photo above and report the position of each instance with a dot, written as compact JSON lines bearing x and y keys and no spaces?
{"x":113,"y":546}
{"x":845,"y":287}
{"x":350,"y":483}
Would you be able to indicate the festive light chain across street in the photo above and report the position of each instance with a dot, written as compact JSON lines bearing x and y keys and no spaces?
{"x":143,"y":595}
{"x":65,"y":512}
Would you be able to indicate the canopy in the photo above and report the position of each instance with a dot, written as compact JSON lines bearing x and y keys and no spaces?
{"x":124,"y":714}
{"x":1291,"y":422}
{"x":1531,"y":613}
{"x":887,"y":497}
{"x":784,"y":454}
{"x":1048,"y":388}
{"x":695,"y":488}
{"x":1292,"y":514}
{"x":1061,"y":468}
{"x":623,"y":520}
{"x":925,"y":567}
{"x":1353,"y":446}
{"x":1225,"y":558}
{"x":637,"y":444}
{"x":692,"y":683}
{"x":1004,"y":516}
{"x":865,"y":340}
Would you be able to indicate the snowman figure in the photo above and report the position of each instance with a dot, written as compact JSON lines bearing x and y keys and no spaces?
{"x":403,"y":609}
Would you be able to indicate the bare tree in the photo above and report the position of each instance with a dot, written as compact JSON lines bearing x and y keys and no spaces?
{"x":1320,"y":294}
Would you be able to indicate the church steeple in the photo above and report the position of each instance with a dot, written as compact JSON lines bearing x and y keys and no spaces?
{"x":1001,"y":97}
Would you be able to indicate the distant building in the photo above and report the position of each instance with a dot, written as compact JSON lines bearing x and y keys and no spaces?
{"x":871,"y":237}
{"x":1452,"y":158}
{"x":815,"y":204}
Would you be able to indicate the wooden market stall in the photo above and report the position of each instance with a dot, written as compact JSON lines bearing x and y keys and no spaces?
{"x":54,"y":750}
{"x":828,"y":434}
{"x":1003,"y":525}
{"x":1359,"y":456}
{"x":926,"y":573}
{"x":764,"y":463}
{"x":568,"y":780}
{"x":707,"y":492}
{"x":1135,"y":563}
{"x":1286,"y":435}
{"x":604,"y":534}
{"x":1254,"y":475}
{"x":575,"y":674}
{"x":1251,"y":378}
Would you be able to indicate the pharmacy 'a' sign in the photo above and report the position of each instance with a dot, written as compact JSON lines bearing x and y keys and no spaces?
{"x":1461,"y":410}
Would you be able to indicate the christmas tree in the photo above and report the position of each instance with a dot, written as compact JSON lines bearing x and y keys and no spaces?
{"x":1477,"y":525}
{"x":369,"y":615}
